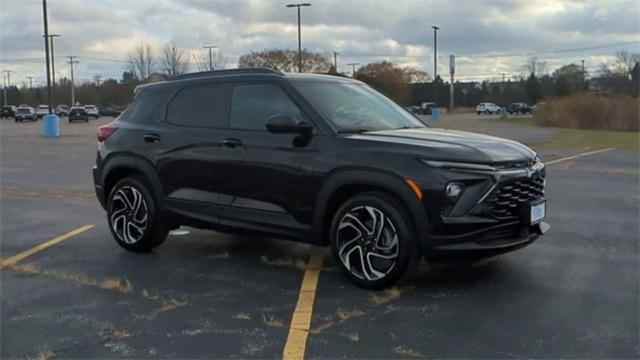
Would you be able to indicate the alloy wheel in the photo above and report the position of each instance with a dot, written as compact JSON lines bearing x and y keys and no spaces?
{"x":367,"y":243}
{"x":129,"y":214}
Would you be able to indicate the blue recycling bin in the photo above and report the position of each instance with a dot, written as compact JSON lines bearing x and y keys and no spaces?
{"x":51,"y":126}
{"x":435,"y":114}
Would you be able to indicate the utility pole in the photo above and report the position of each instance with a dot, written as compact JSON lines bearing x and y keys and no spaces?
{"x":335,"y":60}
{"x":46,"y":51}
{"x":97,"y":79}
{"x":299,"y":33}
{"x":584,"y":77}
{"x":7,"y":83}
{"x":210,"y":47}
{"x":435,"y":64}
{"x":504,"y":84}
{"x":353,"y":65}
{"x":30,"y":82}
{"x":73,"y":88}
{"x":53,"y":66}
{"x":452,"y":71}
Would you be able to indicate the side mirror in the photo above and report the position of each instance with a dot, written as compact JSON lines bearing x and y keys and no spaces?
{"x":287,"y":124}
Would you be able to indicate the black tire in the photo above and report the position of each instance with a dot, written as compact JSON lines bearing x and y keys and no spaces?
{"x":403,"y":255}
{"x":130,"y":198}
{"x":479,"y":113}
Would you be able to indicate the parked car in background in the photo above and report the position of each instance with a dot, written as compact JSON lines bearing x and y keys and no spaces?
{"x":8,"y":111}
{"x":78,"y":113}
{"x":488,"y":108}
{"x":413,"y":109}
{"x":108,"y":111}
{"x":23,"y":106}
{"x":426,"y":107}
{"x":519,"y":108}
{"x":62,"y":110}
{"x":42,"y":110}
{"x":92,"y":111}
{"x":25,"y":113}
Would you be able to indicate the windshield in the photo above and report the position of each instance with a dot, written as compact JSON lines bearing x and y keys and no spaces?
{"x":356,"y":107}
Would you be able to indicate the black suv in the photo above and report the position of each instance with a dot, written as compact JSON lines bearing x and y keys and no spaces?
{"x":319,"y":159}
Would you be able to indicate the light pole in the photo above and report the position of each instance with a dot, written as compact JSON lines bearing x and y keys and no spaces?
{"x":435,"y":64}
{"x":46,"y":52}
{"x":53,"y":67}
{"x":7,"y":83}
{"x":30,"y":82}
{"x":299,"y":35}
{"x":210,"y":47}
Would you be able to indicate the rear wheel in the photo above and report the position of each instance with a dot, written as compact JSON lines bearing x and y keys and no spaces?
{"x":133,"y":216}
{"x":373,"y":241}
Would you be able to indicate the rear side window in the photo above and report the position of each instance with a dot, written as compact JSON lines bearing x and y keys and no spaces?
{"x":253,"y":104}
{"x":204,"y":105}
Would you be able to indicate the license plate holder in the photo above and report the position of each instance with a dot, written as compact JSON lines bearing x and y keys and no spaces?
{"x":537,"y":212}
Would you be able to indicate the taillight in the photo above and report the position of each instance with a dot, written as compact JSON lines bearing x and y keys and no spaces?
{"x":105,"y":131}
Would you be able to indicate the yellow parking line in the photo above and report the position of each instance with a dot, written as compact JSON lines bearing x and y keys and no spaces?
{"x":578,"y":156}
{"x":301,"y":319}
{"x":14,"y":259}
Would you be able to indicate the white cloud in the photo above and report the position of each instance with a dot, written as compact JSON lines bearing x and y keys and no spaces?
{"x":361,"y":30}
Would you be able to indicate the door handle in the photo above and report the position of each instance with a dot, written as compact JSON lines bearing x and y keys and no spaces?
{"x":150,"y":138}
{"x":231,"y":143}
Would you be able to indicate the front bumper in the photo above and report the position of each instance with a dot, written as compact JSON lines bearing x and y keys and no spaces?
{"x":503,"y":236}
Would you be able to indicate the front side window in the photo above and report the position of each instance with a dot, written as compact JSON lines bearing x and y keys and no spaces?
{"x":253,"y":104}
{"x":353,"y":107}
{"x":205,"y":105}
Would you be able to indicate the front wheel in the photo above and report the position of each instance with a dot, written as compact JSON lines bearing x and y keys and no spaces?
{"x":374,"y":241}
{"x":133,"y":216}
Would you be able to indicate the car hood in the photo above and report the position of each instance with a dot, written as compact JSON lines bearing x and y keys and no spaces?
{"x":447,"y":145}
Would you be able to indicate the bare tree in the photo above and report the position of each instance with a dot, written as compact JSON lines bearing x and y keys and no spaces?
{"x":285,"y":60}
{"x":535,"y":67}
{"x":201,"y":61}
{"x":174,"y":61}
{"x":141,"y":61}
{"x":621,"y":65}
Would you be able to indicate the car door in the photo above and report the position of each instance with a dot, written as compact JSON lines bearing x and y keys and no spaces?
{"x":193,"y":158}
{"x":263,"y":190}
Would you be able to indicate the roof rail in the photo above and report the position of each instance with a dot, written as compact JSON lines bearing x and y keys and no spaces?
{"x":228,"y":71}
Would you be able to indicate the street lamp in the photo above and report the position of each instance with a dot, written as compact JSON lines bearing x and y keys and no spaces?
{"x":299,"y":36}
{"x":53,"y":67}
{"x":435,"y":63}
{"x":46,"y":51}
{"x":210,"y":47}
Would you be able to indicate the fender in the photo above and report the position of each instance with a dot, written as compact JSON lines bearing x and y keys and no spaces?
{"x":137,"y":163}
{"x":385,"y":181}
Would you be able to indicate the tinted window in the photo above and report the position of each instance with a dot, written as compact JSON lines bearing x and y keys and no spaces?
{"x":253,"y":104}
{"x":200,"y":106}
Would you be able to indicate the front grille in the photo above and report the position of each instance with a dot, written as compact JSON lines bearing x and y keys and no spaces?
{"x":505,"y":200}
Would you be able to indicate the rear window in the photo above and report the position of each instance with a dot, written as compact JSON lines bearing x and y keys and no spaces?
{"x":147,"y":105}
{"x":205,"y":105}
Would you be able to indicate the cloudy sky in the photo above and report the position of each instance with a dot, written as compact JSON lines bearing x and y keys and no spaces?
{"x":488,"y":37}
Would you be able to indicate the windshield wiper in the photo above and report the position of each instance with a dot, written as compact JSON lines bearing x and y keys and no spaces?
{"x":354,"y":131}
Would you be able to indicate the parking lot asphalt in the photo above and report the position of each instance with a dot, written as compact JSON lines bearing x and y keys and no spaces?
{"x":572,"y":294}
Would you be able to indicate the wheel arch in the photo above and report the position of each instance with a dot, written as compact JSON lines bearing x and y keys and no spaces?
{"x":119,"y":166}
{"x":344,"y":184}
